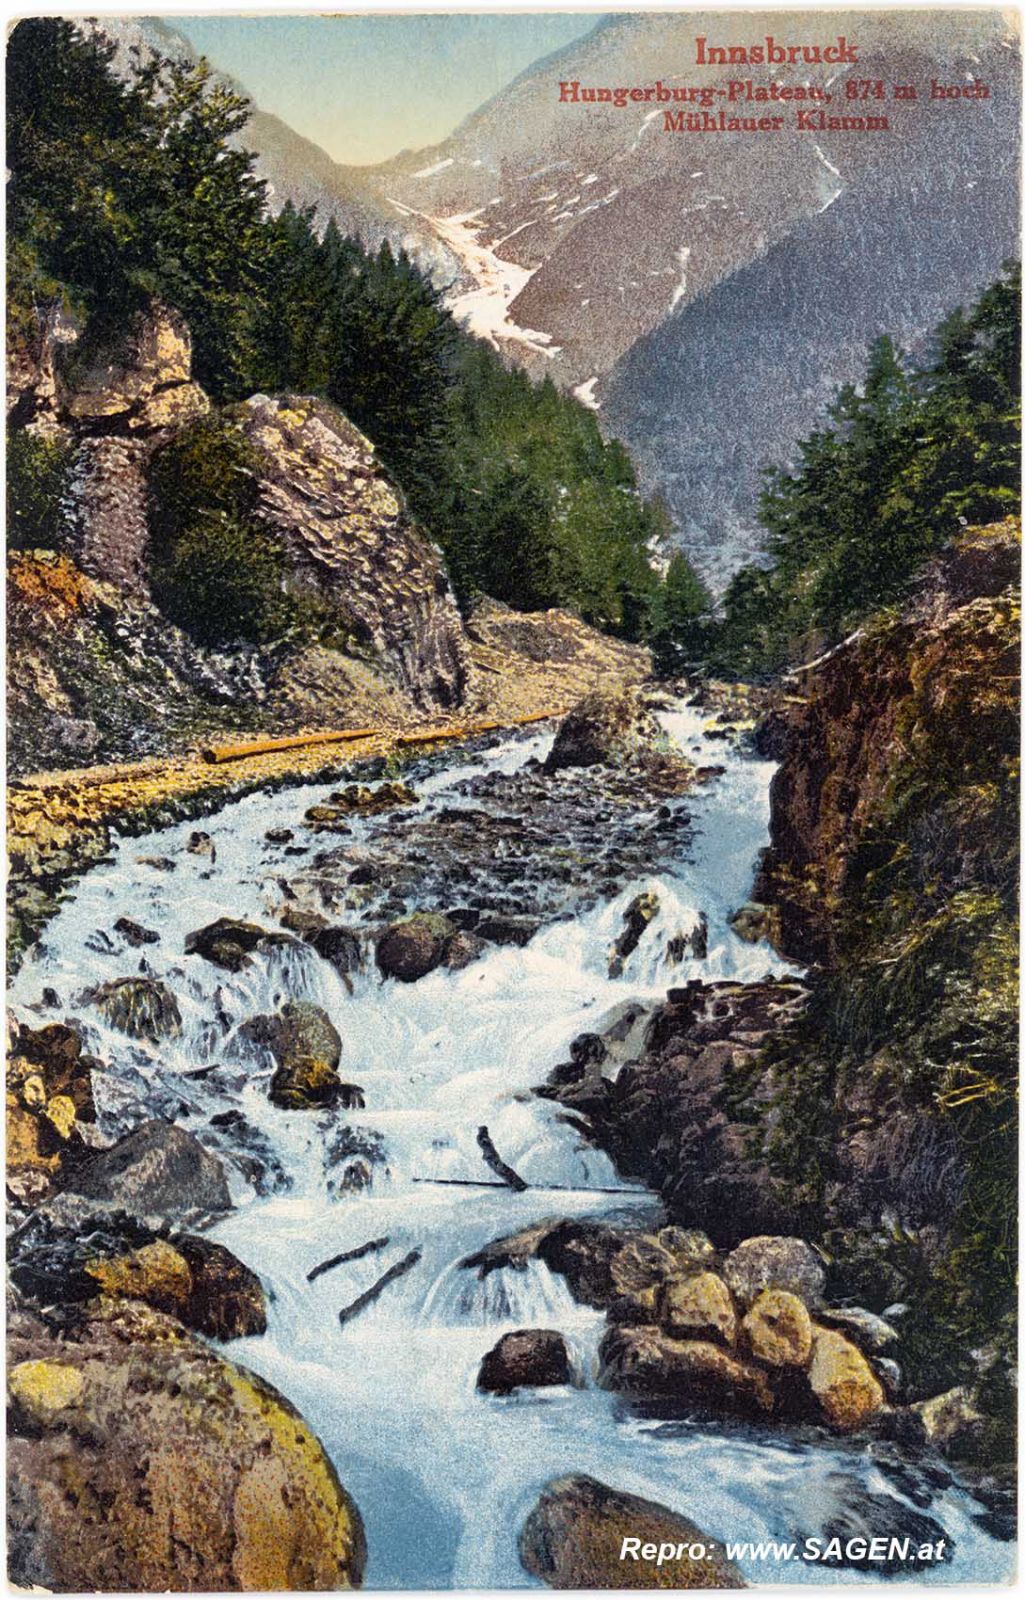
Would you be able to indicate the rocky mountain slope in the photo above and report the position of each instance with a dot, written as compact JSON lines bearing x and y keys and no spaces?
{"x":649,"y":270}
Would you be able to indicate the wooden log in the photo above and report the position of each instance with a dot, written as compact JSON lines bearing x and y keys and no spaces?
{"x":495,"y":1162}
{"x":370,"y":1248}
{"x":259,"y":747}
{"x":362,"y":1301}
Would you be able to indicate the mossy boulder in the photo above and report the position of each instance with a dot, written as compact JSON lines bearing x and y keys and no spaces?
{"x":648,"y":1363}
{"x":778,"y":1330}
{"x":698,"y":1306}
{"x":847,"y":1390}
{"x":143,"y":1008}
{"x":307,"y":1048}
{"x":140,"y":1460}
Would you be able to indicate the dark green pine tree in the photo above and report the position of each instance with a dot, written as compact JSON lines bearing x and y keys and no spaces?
{"x":678,"y":610}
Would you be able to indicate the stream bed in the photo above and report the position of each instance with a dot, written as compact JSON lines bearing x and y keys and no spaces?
{"x":443,"y":1475}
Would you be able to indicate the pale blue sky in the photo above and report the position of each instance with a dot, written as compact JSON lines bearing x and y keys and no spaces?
{"x":365,"y":87}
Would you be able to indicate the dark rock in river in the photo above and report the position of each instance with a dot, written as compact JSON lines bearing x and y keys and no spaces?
{"x":134,"y":933}
{"x":141,"y":1007}
{"x":307,"y":1048}
{"x":642,"y":910}
{"x":604,"y":729}
{"x":409,"y":950}
{"x":859,"y":1515}
{"x":530,"y":1357}
{"x":573,"y":1539}
{"x":229,"y":943}
{"x":141,"y":1461}
{"x":157,"y":1171}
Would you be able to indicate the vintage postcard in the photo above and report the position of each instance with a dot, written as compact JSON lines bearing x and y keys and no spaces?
{"x":513,"y":676}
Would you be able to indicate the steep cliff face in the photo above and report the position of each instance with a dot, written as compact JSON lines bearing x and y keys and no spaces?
{"x":911,"y":718}
{"x":349,"y":539}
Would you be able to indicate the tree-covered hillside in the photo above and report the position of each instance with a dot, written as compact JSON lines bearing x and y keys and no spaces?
{"x":911,"y":454}
{"x":122,"y":191}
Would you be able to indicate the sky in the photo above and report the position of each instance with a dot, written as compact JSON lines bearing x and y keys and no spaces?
{"x":366,"y":87}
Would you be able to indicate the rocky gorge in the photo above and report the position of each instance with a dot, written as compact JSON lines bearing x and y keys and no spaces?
{"x":302,"y":1091}
{"x":550,"y":1067}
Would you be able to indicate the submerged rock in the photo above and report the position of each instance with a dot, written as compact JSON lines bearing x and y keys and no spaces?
{"x":910,"y":1542}
{"x":530,"y":1357}
{"x":140,"y":1460}
{"x":141,"y":1007}
{"x":573,"y":1539}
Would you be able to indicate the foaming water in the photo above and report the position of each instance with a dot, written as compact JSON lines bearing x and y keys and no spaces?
{"x":443,"y":1475}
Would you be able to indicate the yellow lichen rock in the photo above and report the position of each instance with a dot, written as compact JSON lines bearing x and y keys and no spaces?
{"x":43,"y":1389}
{"x":778,"y":1330}
{"x":145,"y":1462}
{"x":698,"y":1307}
{"x":842,"y":1381}
{"x":157,"y":1273}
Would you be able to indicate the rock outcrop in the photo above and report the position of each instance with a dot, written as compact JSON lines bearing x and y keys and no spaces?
{"x":350,"y":539}
{"x":140,"y":1460}
{"x":932,"y":682}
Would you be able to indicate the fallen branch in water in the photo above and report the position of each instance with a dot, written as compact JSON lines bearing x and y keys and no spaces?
{"x":368,"y":1249}
{"x":493,"y":1183}
{"x":494,"y":1160}
{"x":362,"y":1301}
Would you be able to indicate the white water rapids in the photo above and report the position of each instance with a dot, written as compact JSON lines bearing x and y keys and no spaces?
{"x":444,"y":1476}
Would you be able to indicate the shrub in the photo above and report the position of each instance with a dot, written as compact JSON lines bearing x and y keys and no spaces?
{"x":215,"y":571}
{"x":38,"y":472}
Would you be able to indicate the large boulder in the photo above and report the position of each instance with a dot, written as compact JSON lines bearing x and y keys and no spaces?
{"x":847,"y":1390}
{"x":410,"y":949}
{"x":648,"y":1364}
{"x":157,"y":1170}
{"x":529,"y":1358}
{"x":576,"y":1535}
{"x":324,"y":496}
{"x":604,"y":729}
{"x":143,"y":1008}
{"x":307,"y":1048}
{"x":139,"y":1460}
{"x":698,"y":1306}
{"x":769,"y":1262}
{"x":778,"y":1330}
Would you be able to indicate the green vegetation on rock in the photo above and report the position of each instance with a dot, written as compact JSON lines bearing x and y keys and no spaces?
{"x":38,"y":470}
